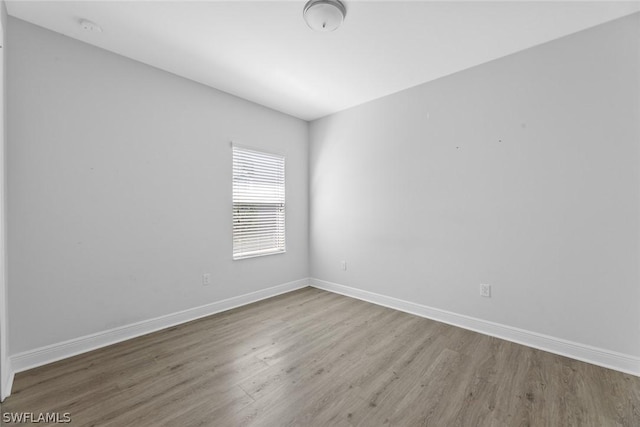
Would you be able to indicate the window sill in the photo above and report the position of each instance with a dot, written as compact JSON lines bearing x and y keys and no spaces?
{"x":257,"y":254}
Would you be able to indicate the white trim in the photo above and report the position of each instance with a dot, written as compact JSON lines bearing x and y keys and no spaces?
{"x":586,"y":353}
{"x":6,"y":374}
{"x":6,"y":387}
{"x":54,"y":352}
{"x":51,"y":353}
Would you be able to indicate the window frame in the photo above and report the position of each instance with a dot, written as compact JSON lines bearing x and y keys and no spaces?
{"x":274,"y":210}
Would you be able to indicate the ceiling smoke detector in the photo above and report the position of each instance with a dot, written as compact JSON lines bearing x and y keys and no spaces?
{"x":90,"y":26}
{"x":324,"y":15}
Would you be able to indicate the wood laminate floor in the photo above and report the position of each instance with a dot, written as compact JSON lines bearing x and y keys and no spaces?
{"x":313,"y":358}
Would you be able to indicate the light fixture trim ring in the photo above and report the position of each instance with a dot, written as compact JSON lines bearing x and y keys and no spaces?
{"x":338,"y":7}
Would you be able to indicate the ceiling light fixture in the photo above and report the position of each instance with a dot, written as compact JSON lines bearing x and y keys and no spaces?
{"x":324,"y":15}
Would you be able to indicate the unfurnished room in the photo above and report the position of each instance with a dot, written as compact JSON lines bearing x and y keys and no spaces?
{"x":320,"y":213}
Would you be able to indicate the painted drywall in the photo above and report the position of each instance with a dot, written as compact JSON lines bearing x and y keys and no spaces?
{"x":521,"y":173}
{"x":119,"y":190}
{"x":6,"y":374}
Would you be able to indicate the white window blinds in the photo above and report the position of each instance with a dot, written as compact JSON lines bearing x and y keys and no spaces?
{"x":258,"y":203}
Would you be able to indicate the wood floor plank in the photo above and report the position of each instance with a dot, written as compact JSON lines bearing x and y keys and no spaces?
{"x":313,"y":358}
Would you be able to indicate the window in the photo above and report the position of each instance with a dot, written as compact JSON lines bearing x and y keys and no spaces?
{"x":258,"y":203}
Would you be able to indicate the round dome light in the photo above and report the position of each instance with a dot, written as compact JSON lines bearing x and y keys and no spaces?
{"x":324,"y":15}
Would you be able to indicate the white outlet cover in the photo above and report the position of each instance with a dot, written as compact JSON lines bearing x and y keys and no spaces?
{"x":206,"y":279}
{"x":485,"y":290}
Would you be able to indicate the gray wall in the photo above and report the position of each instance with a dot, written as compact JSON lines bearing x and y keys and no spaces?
{"x":522,"y":173}
{"x":119,"y":190}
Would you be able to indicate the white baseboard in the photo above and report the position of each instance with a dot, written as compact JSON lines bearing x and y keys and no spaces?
{"x":597,"y":356}
{"x":52,"y":353}
{"x":5,"y":388}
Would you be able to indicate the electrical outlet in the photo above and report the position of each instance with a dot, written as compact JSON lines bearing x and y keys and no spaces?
{"x":343,"y":265}
{"x":206,"y":279}
{"x":485,"y":290}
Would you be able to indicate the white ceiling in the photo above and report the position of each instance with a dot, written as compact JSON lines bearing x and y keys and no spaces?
{"x":263,"y":51}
